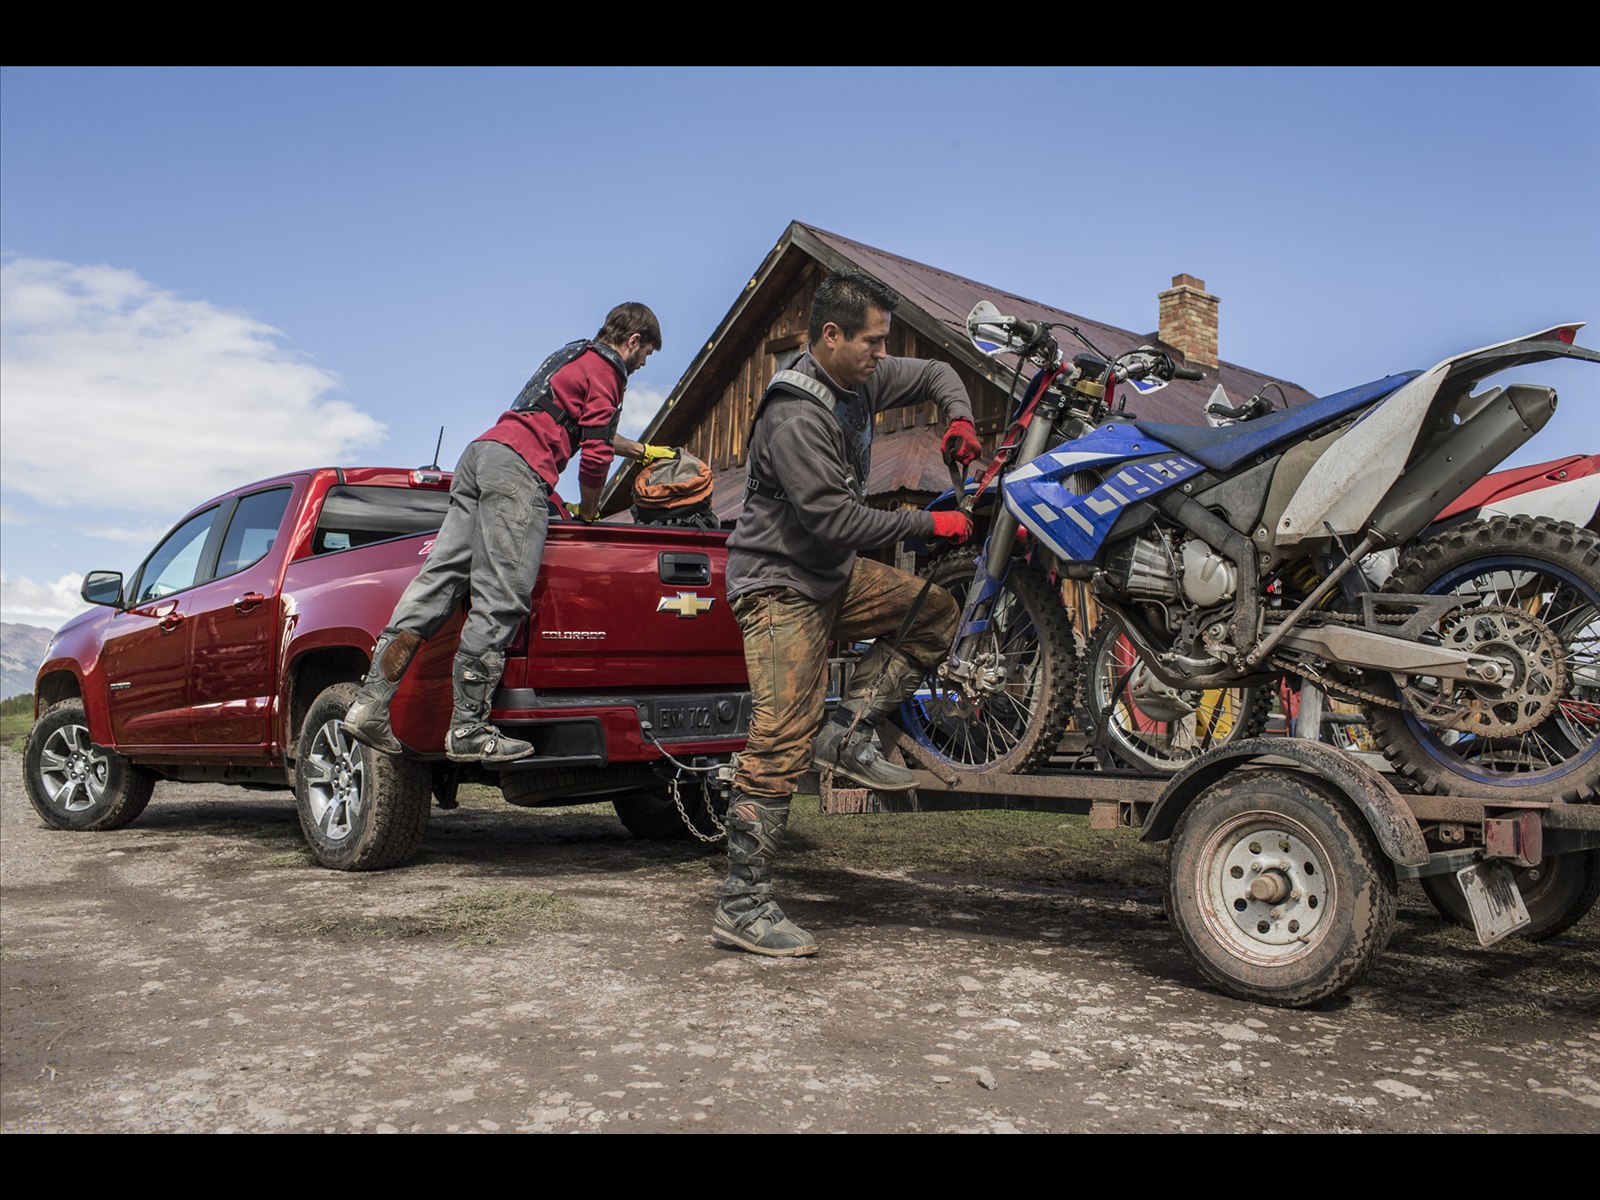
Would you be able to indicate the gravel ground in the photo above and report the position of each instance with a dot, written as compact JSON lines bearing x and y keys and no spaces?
{"x":540,"y":971}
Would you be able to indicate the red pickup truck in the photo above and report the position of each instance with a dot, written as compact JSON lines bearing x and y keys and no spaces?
{"x":232,"y":652}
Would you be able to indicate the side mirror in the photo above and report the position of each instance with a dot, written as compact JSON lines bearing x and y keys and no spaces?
{"x":102,"y":587}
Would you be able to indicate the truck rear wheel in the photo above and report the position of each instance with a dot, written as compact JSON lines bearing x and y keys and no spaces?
{"x":74,"y":784}
{"x":654,"y":815}
{"x":1278,"y":889}
{"x":360,"y":809}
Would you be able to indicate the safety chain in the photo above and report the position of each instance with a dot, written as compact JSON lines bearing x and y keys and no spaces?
{"x":711,"y":812}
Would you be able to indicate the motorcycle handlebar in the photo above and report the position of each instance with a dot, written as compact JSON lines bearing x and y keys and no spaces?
{"x":1028,"y":331}
{"x":1187,"y":373}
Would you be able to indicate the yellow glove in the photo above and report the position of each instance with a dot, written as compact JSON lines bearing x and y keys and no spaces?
{"x":651,"y":453}
{"x":586,"y":518}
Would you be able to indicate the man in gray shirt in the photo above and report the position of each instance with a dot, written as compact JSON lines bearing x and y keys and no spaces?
{"x":795,"y":583}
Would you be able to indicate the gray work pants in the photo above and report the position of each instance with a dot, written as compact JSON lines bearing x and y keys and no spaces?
{"x":489,"y":547}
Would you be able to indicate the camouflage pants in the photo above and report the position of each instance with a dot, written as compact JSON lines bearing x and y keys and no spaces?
{"x":786,"y":638}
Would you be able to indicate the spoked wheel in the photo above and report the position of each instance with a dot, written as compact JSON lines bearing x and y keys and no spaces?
{"x":1009,"y":715}
{"x":1558,"y":893}
{"x":1149,"y":725}
{"x":1533,"y":586}
{"x":1278,"y":889}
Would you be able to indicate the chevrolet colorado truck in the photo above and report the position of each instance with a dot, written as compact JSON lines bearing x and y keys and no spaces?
{"x":234,"y":649}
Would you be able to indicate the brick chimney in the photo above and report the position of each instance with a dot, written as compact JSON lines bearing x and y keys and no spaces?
{"x":1189,"y":319}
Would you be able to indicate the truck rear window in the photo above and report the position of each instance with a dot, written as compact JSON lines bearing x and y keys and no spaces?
{"x":354,"y":515}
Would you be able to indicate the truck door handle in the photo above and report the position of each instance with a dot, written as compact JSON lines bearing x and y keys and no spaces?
{"x":691,"y":569}
{"x":247,"y":602}
{"x":171,"y":622}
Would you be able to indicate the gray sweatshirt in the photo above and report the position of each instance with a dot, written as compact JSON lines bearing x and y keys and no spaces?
{"x":809,"y":540}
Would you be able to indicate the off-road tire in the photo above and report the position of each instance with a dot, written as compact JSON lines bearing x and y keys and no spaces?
{"x":941,"y":740}
{"x":1445,"y":561}
{"x":74,"y":784}
{"x":1306,"y":947}
{"x":360,"y":809}
{"x":1245,"y":716}
{"x":1558,"y":893}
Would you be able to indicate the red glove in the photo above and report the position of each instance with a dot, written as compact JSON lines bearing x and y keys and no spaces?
{"x":960,"y":443}
{"x":952,"y":523}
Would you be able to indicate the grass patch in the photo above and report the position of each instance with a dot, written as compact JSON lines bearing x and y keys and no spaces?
{"x":480,"y":918}
{"x":1028,"y":848}
{"x":14,"y":727}
{"x":294,"y":858}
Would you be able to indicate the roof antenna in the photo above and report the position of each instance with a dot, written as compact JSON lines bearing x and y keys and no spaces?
{"x":434,"y":465}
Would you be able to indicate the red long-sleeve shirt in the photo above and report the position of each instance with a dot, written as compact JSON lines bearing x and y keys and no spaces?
{"x":588,"y":389}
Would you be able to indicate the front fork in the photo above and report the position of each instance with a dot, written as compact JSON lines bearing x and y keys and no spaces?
{"x":967,"y":659}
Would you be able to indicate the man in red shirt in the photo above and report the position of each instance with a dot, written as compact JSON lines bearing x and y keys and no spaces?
{"x":493,"y":535}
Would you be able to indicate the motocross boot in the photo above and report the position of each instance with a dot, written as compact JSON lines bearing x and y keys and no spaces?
{"x":852,"y":754}
{"x":471,"y":737}
{"x":747,"y":915}
{"x":367,"y":719}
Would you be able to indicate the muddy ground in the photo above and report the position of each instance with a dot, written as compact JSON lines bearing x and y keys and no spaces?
{"x":539,"y":971}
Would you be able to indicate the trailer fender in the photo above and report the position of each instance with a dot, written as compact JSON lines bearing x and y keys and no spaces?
{"x":1390,"y":820}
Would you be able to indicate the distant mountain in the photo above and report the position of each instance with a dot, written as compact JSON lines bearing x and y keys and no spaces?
{"x":21,"y":653}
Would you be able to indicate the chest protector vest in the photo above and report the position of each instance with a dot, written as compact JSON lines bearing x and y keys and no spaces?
{"x":854,"y":421}
{"x":537,"y":396}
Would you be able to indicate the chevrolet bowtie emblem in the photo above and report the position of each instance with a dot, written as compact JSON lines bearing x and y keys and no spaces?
{"x":685,"y":604}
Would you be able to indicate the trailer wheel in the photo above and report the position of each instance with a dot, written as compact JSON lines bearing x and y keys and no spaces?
{"x":1559,"y":893}
{"x":1278,"y":890}
{"x":360,"y":809}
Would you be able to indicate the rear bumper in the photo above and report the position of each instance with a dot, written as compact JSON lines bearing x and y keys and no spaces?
{"x":597,"y":730}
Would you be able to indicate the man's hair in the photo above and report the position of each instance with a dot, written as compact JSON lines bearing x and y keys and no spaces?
{"x":625,"y":320}
{"x":845,"y":298}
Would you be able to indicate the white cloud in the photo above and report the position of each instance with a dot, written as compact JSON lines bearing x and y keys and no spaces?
{"x":26,"y":602}
{"x":124,"y":396}
{"x":639,"y":405}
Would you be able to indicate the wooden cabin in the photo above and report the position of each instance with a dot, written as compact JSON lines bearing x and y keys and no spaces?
{"x":710,"y":409}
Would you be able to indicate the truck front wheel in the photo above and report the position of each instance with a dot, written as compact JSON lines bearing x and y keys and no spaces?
{"x":74,"y":784}
{"x":360,"y":809}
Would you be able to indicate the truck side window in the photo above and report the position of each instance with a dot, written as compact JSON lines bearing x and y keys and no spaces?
{"x":176,"y":561}
{"x":252,"y":530}
{"x":358,"y":515}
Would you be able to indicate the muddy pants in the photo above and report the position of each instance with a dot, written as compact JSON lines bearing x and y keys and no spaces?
{"x":489,"y":546}
{"x":786,"y":638}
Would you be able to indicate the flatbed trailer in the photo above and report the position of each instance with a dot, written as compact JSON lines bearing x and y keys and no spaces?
{"x":1286,"y":854}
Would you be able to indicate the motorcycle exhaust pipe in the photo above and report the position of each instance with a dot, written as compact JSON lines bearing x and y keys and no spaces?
{"x":1462,"y":456}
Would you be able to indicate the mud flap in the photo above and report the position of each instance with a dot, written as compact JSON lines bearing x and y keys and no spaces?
{"x":1494,"y":900}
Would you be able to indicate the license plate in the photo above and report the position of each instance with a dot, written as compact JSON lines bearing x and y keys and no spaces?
{"x":698,"y":718}
{"x":1494,"y":900}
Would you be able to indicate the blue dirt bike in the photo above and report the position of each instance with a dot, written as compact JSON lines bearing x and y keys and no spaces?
{"x":1227,"y":556}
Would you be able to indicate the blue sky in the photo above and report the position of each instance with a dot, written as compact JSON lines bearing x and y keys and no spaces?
{"x":212,"y":275}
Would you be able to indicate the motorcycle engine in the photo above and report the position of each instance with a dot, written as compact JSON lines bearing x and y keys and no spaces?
{"x":1146,"y":566}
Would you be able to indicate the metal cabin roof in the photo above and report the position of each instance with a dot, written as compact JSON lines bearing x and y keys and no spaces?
{"x":935,"y":304}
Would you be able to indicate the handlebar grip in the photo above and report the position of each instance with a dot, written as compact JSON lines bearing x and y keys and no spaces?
{"x":1187,"y":373}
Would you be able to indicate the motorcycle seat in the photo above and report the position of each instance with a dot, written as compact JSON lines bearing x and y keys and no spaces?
{"x":1225,"y":447}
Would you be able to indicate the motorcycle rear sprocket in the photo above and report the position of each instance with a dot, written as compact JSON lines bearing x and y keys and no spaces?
{"x":1549,"y":570}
